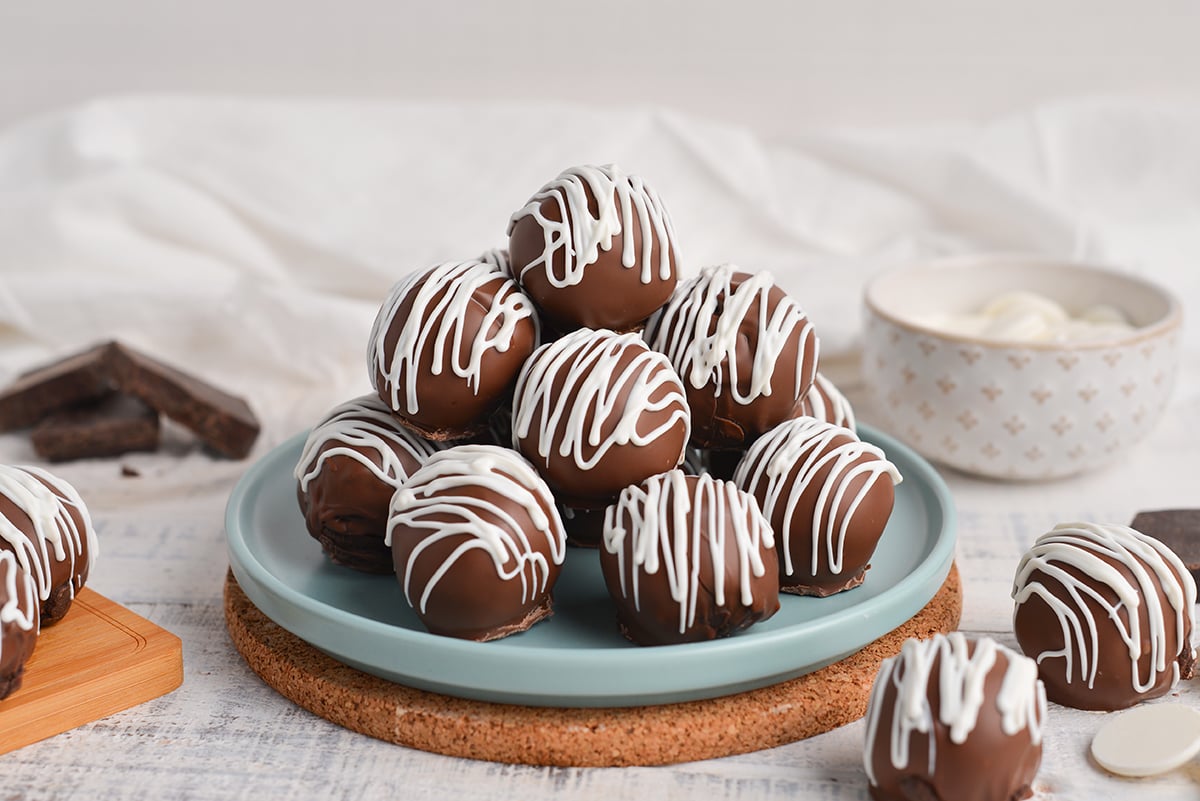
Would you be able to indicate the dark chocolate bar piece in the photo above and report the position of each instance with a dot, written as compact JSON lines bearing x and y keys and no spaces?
{"x":222,"y":421}
{"x":1178,"y":529}
{"x":111,"y":426}
{"x":78,"y":378}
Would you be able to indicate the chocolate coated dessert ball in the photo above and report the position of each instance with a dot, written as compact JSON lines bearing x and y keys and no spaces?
{"x":597,"y":411}
{"x":826,"y":402}
{"x":45,"y":524}
{"x":498,"y":258}
{"x":687,"y":559}
{"x":477,"y":543}
{"x":828,"y":496}
{"x":1108,"y":614}
{"x":351,"y":465}
{"x":19,"y":624}
{"x":744,"y":349}
{"x":594,"y":248}
{"x":447,"y":345}
{"x":954,"y":719}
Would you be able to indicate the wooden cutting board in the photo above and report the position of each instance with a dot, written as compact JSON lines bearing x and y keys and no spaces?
{"x":100,"y":659}
{"x":645,"y":735}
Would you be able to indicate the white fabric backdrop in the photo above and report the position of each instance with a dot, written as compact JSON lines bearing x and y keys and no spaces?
{"x":252,"y":241}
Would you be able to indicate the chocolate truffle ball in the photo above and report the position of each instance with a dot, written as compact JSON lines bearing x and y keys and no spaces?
{"x":447,"y":345}
{"x":594,"y":248}
{"x":498,"y":258}
{"x":1108,"y":614}
{"x":826,"y":402}
{"x":18,"y":622}
{"x":352,"y":463}
{"x":954,"y":719}
{"x":597,"y":411}
{"x":46,"y":525}
{"x":744,"y":349}
{"x":477,"y":543}
{"x":687,"y":559}
{"x":828,"y":496}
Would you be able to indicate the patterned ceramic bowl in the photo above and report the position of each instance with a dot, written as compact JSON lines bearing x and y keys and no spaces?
{"x":1012,"y":409}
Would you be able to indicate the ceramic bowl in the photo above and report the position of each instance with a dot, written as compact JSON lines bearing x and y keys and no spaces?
{"x":1010,"y":409}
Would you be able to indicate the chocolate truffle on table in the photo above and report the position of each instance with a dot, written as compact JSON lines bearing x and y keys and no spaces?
{"x":45,"y":524}
{"x":594,"y":248}
{"x":352,"y":463}
{"x":1108,"y":614}
{"x":597,"y":411}
{"x":19,"y":625}
{"x":447,"y":345}
{"x":687,"y":559}
{"x":954,"y":719}
{"x":826,"y":402}
{"x":477,"y":543}
{"x":745,"y":350}
{"x":828,"y":496}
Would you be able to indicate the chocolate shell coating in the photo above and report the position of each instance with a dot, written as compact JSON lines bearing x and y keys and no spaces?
{"x":352,"y":463}
{"x":745,"y":351}
{"x":477,"y":543}
{"x":826,"y":402}
{"x":954,"y":719}
{"x":19,"y":622}
{"x":447,"y":345}
{"x":594,"y":248}
{"x":828,"y":496}
{"x":1108,"y":614}
{"x":46,"y":525}
{"x":687,"y":559}
{"x":597,"y":411}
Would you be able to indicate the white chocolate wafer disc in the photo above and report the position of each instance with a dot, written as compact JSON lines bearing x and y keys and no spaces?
{"x":1148,"y":740}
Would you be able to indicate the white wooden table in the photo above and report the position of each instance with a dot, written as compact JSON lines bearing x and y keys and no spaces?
{"x":224,"y":734}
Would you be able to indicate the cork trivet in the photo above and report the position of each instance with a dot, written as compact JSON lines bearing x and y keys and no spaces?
{"x":645,"y":735}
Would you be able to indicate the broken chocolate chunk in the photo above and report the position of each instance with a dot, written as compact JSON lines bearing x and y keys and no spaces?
{"x":1178,"y":529}
{"x":222,"y":421}
{"x":60,"y":384}
{"x":111,"y":426}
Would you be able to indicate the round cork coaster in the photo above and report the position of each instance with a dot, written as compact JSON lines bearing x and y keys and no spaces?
{"x":645,"y":735}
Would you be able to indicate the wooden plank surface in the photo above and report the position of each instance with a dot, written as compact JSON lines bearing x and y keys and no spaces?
{"x":100,"y":659}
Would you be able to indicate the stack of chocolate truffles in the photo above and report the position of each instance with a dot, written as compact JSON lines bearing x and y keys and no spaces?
{"x":107,"y":400}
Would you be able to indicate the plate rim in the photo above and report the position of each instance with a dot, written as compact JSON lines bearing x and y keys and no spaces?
{"x":289,"y":608}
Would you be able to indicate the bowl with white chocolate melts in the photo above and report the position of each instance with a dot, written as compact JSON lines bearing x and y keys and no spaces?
{"x":1019,"y":367}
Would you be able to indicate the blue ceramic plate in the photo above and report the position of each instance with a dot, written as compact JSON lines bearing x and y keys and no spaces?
{"x":577,"y":658}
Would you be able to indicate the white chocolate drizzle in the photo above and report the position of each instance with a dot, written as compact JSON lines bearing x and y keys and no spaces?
{"x":578,"y":386}
{"x":1090,"y":549}
{"x":700,"y":327}
{"x":580,"y":235}
{"x":961,"y":684}
{"x":20,"y":596}
{"x":55,"y":538}
{"x":806,"y":446}
{"x":362,"y":429}
{"x":441,"y":498}
{"x":498,"y":258}
{"x":670,"y":524}
{"x":826,"y":402}
{"x":441,"y":297}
